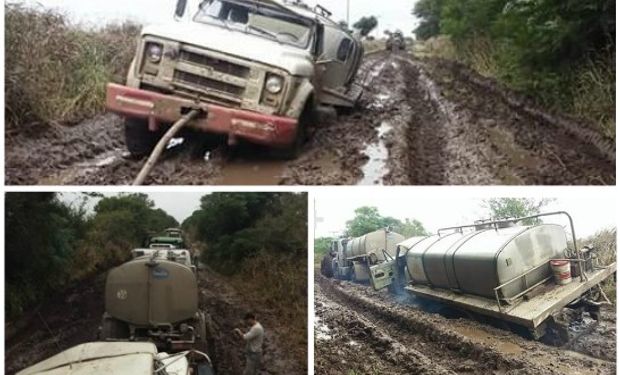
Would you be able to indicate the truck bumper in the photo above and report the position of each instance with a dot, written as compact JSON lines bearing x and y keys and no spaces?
{"x":159,"y":108}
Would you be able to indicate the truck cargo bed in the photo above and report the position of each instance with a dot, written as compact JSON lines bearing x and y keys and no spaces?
{"x":529,"y":313}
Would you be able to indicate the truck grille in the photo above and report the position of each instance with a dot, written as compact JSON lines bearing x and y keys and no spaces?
{"x":212,"y":78}
{"x":207,"y":83}
{"x":216,"y":64}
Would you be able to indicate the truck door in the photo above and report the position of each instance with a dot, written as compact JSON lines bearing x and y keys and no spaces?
{"x":382,"y":275}
{"x":335,"y":65}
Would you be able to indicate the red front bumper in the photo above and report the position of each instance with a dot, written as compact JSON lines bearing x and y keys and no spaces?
{"x":156,"y":108}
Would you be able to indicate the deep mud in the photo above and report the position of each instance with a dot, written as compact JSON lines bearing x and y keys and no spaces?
{"x":74,"y":317}
{"x":419,"y":122}
{"x":360,"y":331}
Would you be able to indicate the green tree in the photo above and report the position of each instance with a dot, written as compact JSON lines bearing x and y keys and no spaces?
{"x":238,"y":226}
{"x":366,"y":24}
{"x":321,"y":245}
{"x":502,"y":208}
{"x":411,"y":228}
{"x":41,"y":234}
{"x":368,"y":219}
{"x":429,"y":14}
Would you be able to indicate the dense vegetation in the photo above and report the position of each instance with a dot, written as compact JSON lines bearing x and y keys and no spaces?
{"x":51,"y":244}
{"x":369,"y":219}
{"x":560,"y":52}
{"x":56,"y":72}
{"x":260,"y":240}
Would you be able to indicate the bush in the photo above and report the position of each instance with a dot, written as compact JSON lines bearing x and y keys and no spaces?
{"x":561,"y":53}
{"x":57,"y":72}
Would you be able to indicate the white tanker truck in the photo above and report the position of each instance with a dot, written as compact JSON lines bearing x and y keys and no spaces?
{"x":503,"y":269}
{"x":352,"y":259}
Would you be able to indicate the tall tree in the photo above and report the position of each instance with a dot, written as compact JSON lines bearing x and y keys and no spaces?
{"x":366,"y":24}
{"x":429,"y":14}
{"x":501,"y":208}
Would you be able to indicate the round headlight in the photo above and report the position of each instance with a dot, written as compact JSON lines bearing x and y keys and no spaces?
{"x":274,"y":84}
{"x":154,"y":53}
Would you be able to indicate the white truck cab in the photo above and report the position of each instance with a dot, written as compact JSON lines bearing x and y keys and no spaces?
{"x":257,"y":69}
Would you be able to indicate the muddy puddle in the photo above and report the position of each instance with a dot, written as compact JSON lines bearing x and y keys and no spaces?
{"x":247,"y":172}
{"x":376,"y":168}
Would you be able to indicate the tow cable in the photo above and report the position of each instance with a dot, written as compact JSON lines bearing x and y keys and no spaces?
{"x":163,"y":142}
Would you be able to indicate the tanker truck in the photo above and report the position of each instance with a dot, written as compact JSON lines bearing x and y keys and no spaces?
{"x":508,"y":269}
{"x":154,"y":298}
{"x":351,"y":259}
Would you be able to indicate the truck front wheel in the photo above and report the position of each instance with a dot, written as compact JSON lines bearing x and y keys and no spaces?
{"x":139,"y":139}
{"x":306,"y":119}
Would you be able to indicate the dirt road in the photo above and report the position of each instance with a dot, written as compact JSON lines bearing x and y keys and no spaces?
{"x":360,"y":331}
{"x":74,"y":317}
{"x":420,"y":122}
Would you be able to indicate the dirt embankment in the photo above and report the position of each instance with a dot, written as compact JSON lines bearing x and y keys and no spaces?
{"x":419,"y":122}
{"x":361,"y":331}
{"x":74,"y":317}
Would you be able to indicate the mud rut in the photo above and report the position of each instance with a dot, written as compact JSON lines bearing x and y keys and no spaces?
{"x":421,"y":122}
{"x":358,"y":330}
{"x":74,"y":317}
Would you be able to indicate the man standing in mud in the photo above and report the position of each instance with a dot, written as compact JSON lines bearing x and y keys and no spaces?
{"x":253,"y":344}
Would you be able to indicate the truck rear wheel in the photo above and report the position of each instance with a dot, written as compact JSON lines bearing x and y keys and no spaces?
{"x":139,"y":139}
{"x":326,"y":266}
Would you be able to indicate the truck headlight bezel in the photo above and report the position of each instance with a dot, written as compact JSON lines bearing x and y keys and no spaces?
{"x":274,"y":84}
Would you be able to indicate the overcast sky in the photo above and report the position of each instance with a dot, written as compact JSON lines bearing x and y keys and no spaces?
{"x":392,"y":14}
{"x":444,"y":208}
{"x":178,"y":205}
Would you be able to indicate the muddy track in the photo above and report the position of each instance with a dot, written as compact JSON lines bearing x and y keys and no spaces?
{"x":74,"y":317}
{"x":361,"y":331}
{"x":419,"y":122}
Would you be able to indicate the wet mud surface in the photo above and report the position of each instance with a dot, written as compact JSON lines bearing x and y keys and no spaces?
{"x":361,"y":331}
{"x":74,"y":317}
{"x":419,"y":122}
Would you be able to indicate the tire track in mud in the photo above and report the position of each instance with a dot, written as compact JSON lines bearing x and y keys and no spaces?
{"x":468,"y":134}
{"x":453,"y":345}
{"x":419,"y":122}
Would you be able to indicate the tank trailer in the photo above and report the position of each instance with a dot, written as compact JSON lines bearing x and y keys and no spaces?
{"x":154,"y":298}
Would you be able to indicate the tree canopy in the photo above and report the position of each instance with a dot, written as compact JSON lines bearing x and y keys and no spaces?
{"x":51,"y":243}
{"x":366,"y":24}
{"x":238,"y":226}
{"x":502,"y":208}
{"x":368,"y":219}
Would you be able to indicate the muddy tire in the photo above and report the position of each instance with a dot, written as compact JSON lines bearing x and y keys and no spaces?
{"x":139,"y":139}
{"x":113,"y":329}
{"x":326,"y":266}
{"x":307,"y":119}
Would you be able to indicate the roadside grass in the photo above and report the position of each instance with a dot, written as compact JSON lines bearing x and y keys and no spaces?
{"x":605,"y":244}
{"x":587,"y":91}
{"x":56,"y":72}
{"x":374,"y":45}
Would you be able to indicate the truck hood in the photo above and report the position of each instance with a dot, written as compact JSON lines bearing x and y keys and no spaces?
{"x":296,"y":61}
{"x":99,"y":357}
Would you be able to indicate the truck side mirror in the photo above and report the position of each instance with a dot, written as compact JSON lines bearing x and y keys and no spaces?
{"x":179,"y":11}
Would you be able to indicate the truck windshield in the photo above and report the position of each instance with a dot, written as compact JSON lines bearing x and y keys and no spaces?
{"x":267,"y":22}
